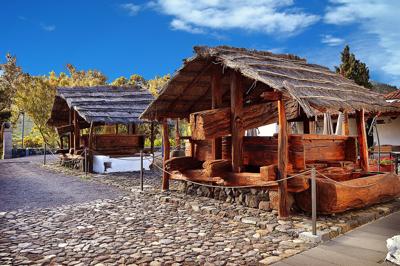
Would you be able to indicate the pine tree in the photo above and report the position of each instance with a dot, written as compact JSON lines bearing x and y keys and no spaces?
{"x":353,"y":68}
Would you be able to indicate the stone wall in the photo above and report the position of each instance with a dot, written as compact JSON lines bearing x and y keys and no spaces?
{"x":249,"y":197}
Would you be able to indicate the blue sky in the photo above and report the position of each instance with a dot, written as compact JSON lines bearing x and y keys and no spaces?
{"x":151,"y":38}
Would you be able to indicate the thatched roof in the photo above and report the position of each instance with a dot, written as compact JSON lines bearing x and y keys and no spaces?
{"x":394,"y":95}
{"x":101,"y":104}
{"x":312,"y":87}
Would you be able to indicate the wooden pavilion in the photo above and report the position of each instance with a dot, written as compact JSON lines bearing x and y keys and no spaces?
{"x":79,"y":108}
{"x":224,"y":91}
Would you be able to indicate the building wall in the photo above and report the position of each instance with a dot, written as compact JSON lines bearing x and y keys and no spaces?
{"x":389,"y":132}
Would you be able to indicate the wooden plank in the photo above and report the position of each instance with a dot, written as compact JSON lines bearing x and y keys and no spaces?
{"x":217,"y":167}
{"x":216,"y":102}
{"x":166,"y":146}
{"x":362,"y":139}
{"x":237,"y":130}
{"x":269,"y":172}
{"x":283,"y":155}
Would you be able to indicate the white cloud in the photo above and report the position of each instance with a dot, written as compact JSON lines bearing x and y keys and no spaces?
{"x":132,"y":9}
{"x":331,"y":41}
{"x":47,"y":27}
{"x":379,"y":21}
{"x":266,"y":16}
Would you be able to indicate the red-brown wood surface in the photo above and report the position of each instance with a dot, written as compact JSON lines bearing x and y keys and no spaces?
{"x":216,"y":102}
{"x":362,"y":140}
{"x":356,"y":193}
{"x":345,"y":128}
{"x":77,"y":134}
{"x":236,"y":121}
{"x":166,"y":146}
{"x":283,"y":157}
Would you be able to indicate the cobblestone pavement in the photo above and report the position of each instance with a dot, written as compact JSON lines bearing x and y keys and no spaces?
{"x":154,"y":228}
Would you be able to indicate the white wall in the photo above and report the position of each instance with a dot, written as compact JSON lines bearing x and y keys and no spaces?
{"x":268,"y":130}
{"x":389,"y":132}
{"x":125,"y":164}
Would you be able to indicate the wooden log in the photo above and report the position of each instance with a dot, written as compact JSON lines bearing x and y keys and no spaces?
{"x":216,"y":123}
{"x":217,"y":167}
{"x":359,"y":193}
{"x":269,"y":172}
{"x":283,"y":157}
{"x":362,"y":140}
{"x":237,"y":130}
{"x":216,"y":102}
{"x":195,"y":175}
{"x":182,"y":163}
{"x":298,"y":184}
{"x":166,"y":146}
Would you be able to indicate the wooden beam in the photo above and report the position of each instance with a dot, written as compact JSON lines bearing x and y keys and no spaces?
{"x":345,"y":126}
{"x":177,"y":134}
{"x":166,"y":146}
{"x":116,"y":129}
{"x":216,"y":102}
{"x":362,"y":139}
{"x":236,"y":121}
{"x":77,"y":133}
{"x":283,"y":156}
{"x":152,"y":137}
{"x":271,"y":95}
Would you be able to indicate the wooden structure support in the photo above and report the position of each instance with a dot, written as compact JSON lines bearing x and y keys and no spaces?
{"x":283,"y":156}
{"x":177,"y":134}
{"x":236,"y":121}
{"x":77,"y":133}
{"x":71,"y":133}
{"x":152,"y":137}
{"x":166,"y":146}
{"x":216,"y":102}
{"x":362,"y":139}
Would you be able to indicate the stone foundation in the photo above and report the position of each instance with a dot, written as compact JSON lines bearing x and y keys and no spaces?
{"x":248,"y":197}
{"x":73,"y":163}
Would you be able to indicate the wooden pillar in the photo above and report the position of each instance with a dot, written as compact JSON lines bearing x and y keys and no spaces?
{"x":71,"y":133}
{"x":166,"y":145}
{"x":177,"y":134}
{"x":77,"y":133}
{"x":152,"y":137}
{"x":62,"y":142}
{"x":313,"y":125}
{"x":131,"y":129}
{"x":116,"y":129}
{"x":345,"y":126}
{"x":306,"y":126}
{"x":283,"y":156}
{"x":90,"y":147}
{"x":362,"y":139}
{"x":236,"y":121}
{"x":216,"y":102}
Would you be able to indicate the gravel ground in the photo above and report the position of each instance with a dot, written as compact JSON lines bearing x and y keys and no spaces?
{"x":25,"y":185}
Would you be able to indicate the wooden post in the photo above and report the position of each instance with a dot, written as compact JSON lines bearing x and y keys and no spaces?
{"x":71,"y":133}
{"x":236,"y":121}
{"x":345,"y":126}
{"x":165,"y":135}
{"x":177,"y":134}
{"x":90,"y":147}
{"x":77,"y":135}
{"x":152,"y":137}
{"x":306,"y":126}
{"x":116,"y":129}
{"x":283,"y":155}
{"x":362,"y":139}
{"x":131,"y":129}
{"x":216,"y":102}
{"x":62,"y":142}
{"x":313,"y":125}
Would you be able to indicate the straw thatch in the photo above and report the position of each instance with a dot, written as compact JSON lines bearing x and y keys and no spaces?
{"x":312,"y":87}
{"x":101,"y":104}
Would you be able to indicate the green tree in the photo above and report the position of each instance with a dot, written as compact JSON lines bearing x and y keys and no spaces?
{"x":353,"y":68}
{"x":9,"y":81}
{"x":155,"y":85}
